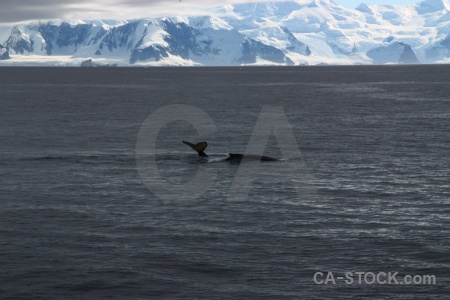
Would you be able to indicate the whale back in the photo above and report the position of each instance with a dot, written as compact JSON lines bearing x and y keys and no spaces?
{"x":238,"y":157}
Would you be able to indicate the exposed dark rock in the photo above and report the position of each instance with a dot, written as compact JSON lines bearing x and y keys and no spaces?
{"x":396,"y":52}
{"x":408,"y":56}
{"x":4,"y":53}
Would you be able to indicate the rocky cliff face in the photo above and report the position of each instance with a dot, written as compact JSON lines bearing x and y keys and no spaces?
{"x":4,"y":53}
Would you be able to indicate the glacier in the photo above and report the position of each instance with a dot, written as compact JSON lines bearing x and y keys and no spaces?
{"x":297,"y":32}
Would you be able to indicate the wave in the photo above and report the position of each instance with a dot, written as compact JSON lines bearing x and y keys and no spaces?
{"x":86,"y":158}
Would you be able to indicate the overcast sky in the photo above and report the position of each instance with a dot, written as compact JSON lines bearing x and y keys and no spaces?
{"x":23,"y":10}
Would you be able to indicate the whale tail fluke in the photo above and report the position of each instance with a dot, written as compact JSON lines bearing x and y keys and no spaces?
{"x":200,"y":147}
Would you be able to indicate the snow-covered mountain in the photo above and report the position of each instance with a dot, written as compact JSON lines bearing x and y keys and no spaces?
{"x":281,"y":33}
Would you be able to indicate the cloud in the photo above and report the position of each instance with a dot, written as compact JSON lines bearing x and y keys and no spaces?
{"x":23,"y":10}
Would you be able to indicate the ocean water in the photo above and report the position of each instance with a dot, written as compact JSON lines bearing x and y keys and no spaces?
{"x":78,"y":221}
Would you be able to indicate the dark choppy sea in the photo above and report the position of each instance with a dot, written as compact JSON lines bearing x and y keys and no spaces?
{"x":77,"y":221}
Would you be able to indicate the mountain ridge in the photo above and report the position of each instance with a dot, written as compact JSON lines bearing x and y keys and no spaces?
{"x":255,"y":33}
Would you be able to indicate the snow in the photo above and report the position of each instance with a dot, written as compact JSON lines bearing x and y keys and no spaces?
{"x":209,"y":22}
{"x":171,"y":60}
{"x":153,"y":35}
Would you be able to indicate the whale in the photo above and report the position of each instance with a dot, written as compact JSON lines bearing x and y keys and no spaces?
{"x":232,"y":157}
{"x":238,"y":157}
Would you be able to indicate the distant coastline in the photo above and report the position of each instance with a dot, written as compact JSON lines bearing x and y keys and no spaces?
{"x":258,"y":33}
